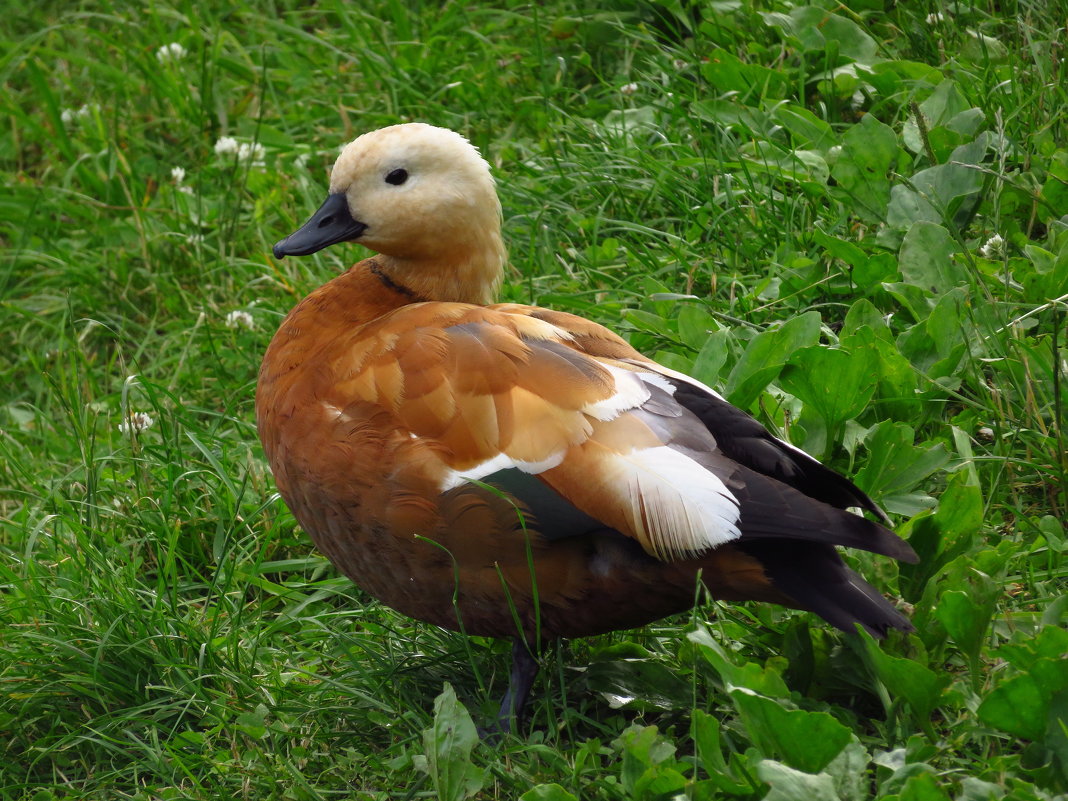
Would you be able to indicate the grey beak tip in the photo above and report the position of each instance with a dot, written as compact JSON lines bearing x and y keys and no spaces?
{"x":279,"y":249}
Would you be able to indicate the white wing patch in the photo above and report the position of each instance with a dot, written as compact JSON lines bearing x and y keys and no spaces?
{"x":677,"y":507}
{"x":630,"y":393}
{"x":502,"y":461}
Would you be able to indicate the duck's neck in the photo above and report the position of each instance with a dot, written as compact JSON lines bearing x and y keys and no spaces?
{"x":470,"y":273}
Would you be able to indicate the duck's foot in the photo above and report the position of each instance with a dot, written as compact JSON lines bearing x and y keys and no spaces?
{"x":513,"y":705}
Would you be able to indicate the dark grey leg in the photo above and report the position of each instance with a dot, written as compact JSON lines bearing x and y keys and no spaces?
{"x":521,"y":679}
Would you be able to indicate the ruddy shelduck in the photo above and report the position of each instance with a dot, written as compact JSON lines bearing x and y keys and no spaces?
{"x":511,"y":471}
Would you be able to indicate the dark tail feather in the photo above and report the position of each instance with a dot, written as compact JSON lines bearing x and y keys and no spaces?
{"x":746,"y":441}
{"x":775,"y":511}
{"x":814,"y":576}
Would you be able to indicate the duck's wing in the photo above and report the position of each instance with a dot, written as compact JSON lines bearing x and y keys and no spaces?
{"x":522,"y":391}
{"x":494,"y":390}
{"x":745,"y":440}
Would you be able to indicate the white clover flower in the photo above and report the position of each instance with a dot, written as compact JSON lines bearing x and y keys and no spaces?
{"x":170,"y":52}
{"x":252,"y":152}
{"x":679,"y":64}
{"x":136,"y":421}
{"x":185,"y":190}
{"x":71,"y":115}
{"x":238,"y":319}
{"x":935,"y":18}
{"x":628,"y":89}
{"x":986,"y":433}
{"x":178,"y":174}
{"x":226,"y":144}
{"x":993,"y":248}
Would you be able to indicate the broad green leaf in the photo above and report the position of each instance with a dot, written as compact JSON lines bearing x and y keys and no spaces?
{"x":704,"y":731}
{"x":637,"y":683}
{"x":947,"y":324}
{"x":547,"y":792}
{"x":727,"y":74}
{"x":896,"y":387}
{"x":893,"y":784}
{"x":695,"y":325}
{"x":915,"y":301}
{"x":923,"y":787}
{"x":674,"y":360}
{"x":910,"y":70}
{"x":711,"y":358}
{"x":936,"y":346}
{"x":733,"y":114}
{"x":967,"y":123}
{"x":448,"y":743}
{"x":960,"y":509}
{"x":788,"y":784}
{"x":806,"y":129}
{"x":897,"y":77}
{"x":966,"y":617}
{"x":629,"y":121}
{"x":1056,"y":739}
{"x":926,"y":258}
{"x":1051,"y":279}
{"x":896,"y":463}
{"x":1050,"y":642}
{"x":1017,"y":706}
{"x":936,"y":193}
{"x":1055,"y":189}
{"x":879,"y":268}
{"x":253,"y":724}
{"x":849,"y":771}
{"x":917,"y":684}
{"x":962,"y":130}
{"x":765,"y":356}
{"x":660,"y":781}
{"x":944,"y":103}
{"x":648,"y":321}
{"x":815,"y":28}
{"x":643,"y":747}
{"x":864,"y":314}
{"x":869,"y":149}
{"x":1056,"y":612}
{"x":848,"y":252}
{"x":836,"y":383}
{"x":764,"y":680}
{"x":982,"y":49}
{"x":973,"y":789}
{"x":805,"y":166}
{"x":1051,"y":674}
{"x":804,"y":740}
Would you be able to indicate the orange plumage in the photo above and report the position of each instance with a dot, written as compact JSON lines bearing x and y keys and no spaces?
{"x":467,"y":464}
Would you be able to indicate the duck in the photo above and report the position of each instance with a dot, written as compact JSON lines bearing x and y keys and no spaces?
{"x":506,"y":470}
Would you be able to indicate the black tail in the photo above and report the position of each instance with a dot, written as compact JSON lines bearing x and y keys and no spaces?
{"x":815,"y":577}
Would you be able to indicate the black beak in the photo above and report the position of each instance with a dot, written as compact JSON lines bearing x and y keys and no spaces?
{"x":331,"y":224}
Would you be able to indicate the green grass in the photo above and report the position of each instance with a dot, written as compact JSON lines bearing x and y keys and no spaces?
{"x":167,"y":630}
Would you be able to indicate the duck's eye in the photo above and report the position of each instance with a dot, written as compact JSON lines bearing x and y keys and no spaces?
{"x":397,"y":177}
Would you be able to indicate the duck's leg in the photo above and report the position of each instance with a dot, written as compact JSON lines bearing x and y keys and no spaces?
{"x":520,"y":680}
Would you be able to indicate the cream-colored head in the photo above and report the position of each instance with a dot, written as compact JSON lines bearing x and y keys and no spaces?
{"x":422,"y":197}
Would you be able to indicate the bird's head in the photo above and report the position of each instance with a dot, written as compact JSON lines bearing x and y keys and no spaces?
{"x":422,"y":197}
